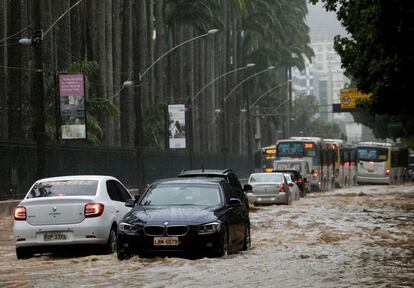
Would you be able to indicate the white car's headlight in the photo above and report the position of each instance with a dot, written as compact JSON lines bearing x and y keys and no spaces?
{"x":128,"y":228}
{"x":209,"y":227}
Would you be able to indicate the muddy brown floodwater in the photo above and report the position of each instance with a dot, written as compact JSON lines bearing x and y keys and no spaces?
{"x":356,"y":237}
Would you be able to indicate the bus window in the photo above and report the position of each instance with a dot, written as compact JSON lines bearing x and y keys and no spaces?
{"x":290,"y":149}
{"x":372,"y":154}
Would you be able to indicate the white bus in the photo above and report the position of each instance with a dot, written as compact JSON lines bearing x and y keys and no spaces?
{"x":318,"y":154}
{"x":382,"y":163}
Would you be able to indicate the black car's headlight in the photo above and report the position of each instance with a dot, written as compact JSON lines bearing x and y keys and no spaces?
{"x":128,"y":228}
{"x":209,"y":227}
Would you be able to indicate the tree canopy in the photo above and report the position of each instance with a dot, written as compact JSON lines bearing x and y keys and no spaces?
{"x":377,"y":55}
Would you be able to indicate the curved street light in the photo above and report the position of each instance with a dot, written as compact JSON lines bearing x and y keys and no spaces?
{"x":141,"y":75}
{"x":246,"y":79}
{"x":139,"y":129}
{"x":267,"y":92}
{"x":191,"y":99}
{"x":258,"y":134}
{"x":224,"y":116}
{"x":249,"y":65}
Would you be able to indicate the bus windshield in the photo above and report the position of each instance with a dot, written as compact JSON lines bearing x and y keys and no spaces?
{"x":372,"y":154}
{"x":296,"y":149}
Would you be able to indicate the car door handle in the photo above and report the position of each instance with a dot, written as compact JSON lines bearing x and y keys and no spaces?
{"x":117,"y":211}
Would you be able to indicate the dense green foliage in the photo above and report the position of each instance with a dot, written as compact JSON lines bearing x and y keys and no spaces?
{"x":378,"y":57}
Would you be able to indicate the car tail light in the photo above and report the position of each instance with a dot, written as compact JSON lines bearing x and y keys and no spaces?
{"x":20,"y":213}
{"x":387,"y":172}
{"x":282,"y":188}
{"x":315,"y":173}
{"x":94,"y":210}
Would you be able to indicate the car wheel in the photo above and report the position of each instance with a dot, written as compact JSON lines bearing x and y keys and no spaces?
{"x":123,"y":254}
{"x":289,"y":200}
{"x":111,"y":246}
{"x":247,"y":239}
{"x":223,"y":249}
{"x":23,"y":253}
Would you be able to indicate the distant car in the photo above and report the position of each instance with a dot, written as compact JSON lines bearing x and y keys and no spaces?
{"x":271,"y":188}
{"x":226,"y":174}
{"x":69,"y":210}
{"x":298,"y":179}
{"x":190,"y":216}
{"x":294,"y":189}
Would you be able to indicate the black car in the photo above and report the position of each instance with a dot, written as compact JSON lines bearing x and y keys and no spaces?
{"x":297,"y":178}
{"x":192,"y":216}
{"x":226,"y":174}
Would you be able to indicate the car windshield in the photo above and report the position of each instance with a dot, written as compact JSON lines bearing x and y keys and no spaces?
{"x":63,"y":188}
{"x":372,"y":154}
{"x":266,"y":177}
{"x":182,"y":194}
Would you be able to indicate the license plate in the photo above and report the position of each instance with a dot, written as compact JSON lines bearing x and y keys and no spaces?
{"x":165,"y":241}
{"x":54,"y":236}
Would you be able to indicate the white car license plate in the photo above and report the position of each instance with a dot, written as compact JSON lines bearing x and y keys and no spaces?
{"x":54,"y":236}
{"x":165,"y":241}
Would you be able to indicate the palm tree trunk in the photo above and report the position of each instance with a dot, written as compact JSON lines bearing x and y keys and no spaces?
{"x":116,"y":64}
{"x":126,"y":101}
{"x":15,"y":76}
{"x":160,"y":87}
{"x":110,"y":125}
{"x":3,"y":71}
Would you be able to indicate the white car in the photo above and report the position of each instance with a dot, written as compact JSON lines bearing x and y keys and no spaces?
{"x":294,"y":189}
{"x":69,"y":210}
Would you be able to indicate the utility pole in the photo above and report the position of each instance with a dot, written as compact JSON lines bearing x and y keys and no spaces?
{"x":139,"y":139}
{"x":37,"y":90}
{"x":288,"y":128}
{"x":258,"y":135}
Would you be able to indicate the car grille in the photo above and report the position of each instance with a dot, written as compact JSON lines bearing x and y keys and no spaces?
{"x":177,"y":230}
{"x":154,"y":230}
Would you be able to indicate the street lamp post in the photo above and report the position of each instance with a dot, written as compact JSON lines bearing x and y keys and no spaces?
{"x":139,"y":128}
{"x":190,"y":101}
{"x":258,"y":134}
{"x":224,"y":116}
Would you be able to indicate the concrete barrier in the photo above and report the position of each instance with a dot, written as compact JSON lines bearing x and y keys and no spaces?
{"x":7,"y":207}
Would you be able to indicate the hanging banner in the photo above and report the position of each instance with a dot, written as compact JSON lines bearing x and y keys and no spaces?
{"x":72,"y":106}
{"x":176,"y":117}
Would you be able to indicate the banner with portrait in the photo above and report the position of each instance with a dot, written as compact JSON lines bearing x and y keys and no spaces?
{"x":176,"y":125}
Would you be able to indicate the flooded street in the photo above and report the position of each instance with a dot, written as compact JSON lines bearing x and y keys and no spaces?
{"x":360,"y":236}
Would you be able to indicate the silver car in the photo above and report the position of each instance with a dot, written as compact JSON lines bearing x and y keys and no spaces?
{"x":294,"y":189}
{"x":69,"y":210}
{"x":270,"y":188}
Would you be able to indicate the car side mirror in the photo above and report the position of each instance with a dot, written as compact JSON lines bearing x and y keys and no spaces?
{"x":290,"y":185}
{"x":130,"y":203}
{"x":247,"y":188}
{"x":234,"y":202}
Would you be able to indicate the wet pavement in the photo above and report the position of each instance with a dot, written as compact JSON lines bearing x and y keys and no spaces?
{"x":356,"y":237}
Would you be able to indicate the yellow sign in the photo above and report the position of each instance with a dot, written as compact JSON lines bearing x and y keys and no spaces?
{"x":349,"y":97}
{"x":270,"y":151}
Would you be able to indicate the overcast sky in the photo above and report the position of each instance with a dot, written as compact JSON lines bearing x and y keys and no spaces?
{"x":319,"y":20}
